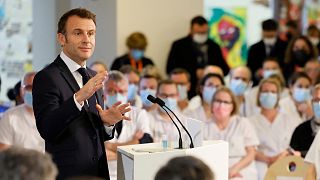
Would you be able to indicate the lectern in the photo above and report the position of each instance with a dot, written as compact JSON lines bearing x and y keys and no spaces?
{"x":142,"y":161}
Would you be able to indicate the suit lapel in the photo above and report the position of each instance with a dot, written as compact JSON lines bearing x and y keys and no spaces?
{"x":67,"y":75}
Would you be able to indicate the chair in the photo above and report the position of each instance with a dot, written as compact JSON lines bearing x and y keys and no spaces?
{"x":289,"y":168}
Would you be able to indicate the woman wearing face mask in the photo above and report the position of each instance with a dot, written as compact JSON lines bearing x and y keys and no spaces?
{"x":226,"y":124}
{"x":208,"y":86}
{"x":305,"y":133}
{"x":298,"y":52}
{"x":136,"y":43}
{"x":274,"y":128}
{"x":298,"y":104}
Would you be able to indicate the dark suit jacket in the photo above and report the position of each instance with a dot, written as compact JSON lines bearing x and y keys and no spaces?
{"x":74,"y":138}
{"x":125,"y":60}
{"x":257,"y":54}
{"x":184,"y":54}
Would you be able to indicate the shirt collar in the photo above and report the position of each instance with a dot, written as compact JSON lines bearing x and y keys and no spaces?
{"x":72,"y":65}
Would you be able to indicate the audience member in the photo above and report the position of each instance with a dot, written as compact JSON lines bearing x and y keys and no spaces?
{"x":226,"y":125}
{"x":212,"y":69}
{"x":274,"y":127}
{"x":269,"y":46}
{"x":151,"y":70}
{"x":160,"y":122}
{"x":137,"y":44}
{"x":148,"y":86}
{"x":299,"y":51}
{"x":185,"y":168}
{"x":135,"y":131}
{"x":19,"y":164}
{"x":18,"y":124}
{"x":133,"y":77}
{"x":312,"y":69}
{"x":240,"y":78}
{"x":98,"y":66}
{"x":182,"y":78}
{"x":304,"y":134}
{"x":208,"y":86}
{"x":292,"y":30}
{"x":313,"y":34}
{"x":195,"y":51}
{"x":298,"y":104}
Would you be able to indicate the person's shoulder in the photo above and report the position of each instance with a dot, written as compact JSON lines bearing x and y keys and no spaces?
{"x":123,"y":57}
{"x":13,"y":111}
{"x":257,"y":44}
{"x":304,"y":125}
{"x":183,"y":40}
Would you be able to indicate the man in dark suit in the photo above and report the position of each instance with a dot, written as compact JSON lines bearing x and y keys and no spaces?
{"x":194,"y":52}
{"x":269,"y":46}
{"x":68,"y":99}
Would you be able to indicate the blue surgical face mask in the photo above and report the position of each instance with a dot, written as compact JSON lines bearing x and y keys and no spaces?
{"x":28,"y":98}
{"x":111,"y":100}
{"x":268,"y":73}
{"x":268,"y":100}
{"x":137,"y":54}
{"x":301,"y":94}
{"x":171,"y":103}
{"x":316,"y":110}
{"x":208,"y":93}
{"x":183,"y":92}
{"x":238,"y":87}
{"x":144,"y":94}
{"x":132,"y":91}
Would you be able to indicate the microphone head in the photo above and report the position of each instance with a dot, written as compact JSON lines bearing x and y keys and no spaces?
{"x":151,"y":98}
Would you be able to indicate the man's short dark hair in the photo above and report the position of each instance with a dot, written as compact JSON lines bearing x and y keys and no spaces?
{"x":269,"y":25}
{"x":80,"y":12}
{"x":199,"y":20}
{"x":180,"y":71}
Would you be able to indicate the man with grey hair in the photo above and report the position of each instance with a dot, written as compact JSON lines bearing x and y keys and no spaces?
{"x":19,"y":163}
{"x":18,"y":124}
{"x":127,"y":132}
{"x":239,"y":83}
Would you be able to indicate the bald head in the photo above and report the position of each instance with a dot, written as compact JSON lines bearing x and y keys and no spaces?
{"x":213,"y":69}
{"x":241,"y":72}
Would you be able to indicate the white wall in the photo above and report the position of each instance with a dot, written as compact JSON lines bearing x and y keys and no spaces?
{"x":161,"y":21}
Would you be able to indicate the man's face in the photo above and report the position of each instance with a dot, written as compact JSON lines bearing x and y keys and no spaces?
{"x":200,"y":29}
{"x":133,"y":78}
{"x":181,"y":79}
{"x":148,"y":83}
{"x":168,"y":91}
{"x":269,"y":34}
{"x":241,"y":73}
{"x":111,"y":88}
{"x":270,"y":65}
{"x":312,"y":68}
{"x":78,"y":42}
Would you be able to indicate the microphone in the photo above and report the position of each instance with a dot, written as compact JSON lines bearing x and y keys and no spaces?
{"x":161,"y":103}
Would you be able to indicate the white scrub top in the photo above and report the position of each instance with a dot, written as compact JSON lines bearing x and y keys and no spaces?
{"x":239,"y":134}
{"x":18,"y":128}
{"x":274,"y":137}
{"x":313,"y":155}
{"x":287,"y":106}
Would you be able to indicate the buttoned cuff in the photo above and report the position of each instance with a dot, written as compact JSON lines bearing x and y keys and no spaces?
{"x":79,"y":105}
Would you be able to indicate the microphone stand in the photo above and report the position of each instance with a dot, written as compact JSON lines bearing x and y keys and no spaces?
{"x":191,"y":142}
{"x":180,"y":139}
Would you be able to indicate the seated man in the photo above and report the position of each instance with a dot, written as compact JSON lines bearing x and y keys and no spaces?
{"x":160,"y":123}
{"x":135,"y":131}
{"x":148,"y":86}
{"x":133,"y":77}
{"x":18,"y":125}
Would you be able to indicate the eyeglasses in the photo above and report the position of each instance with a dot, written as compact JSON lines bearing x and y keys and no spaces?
{"x":163,"y":95}
{"x":224,"y":103}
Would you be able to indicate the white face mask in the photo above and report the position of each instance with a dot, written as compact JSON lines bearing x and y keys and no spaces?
{"x":269,"y":41}
{"x":200,"y":38}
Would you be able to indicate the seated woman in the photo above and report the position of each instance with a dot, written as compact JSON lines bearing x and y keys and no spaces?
{"x":227,"y":125}
{"x":274,"y":127}
{"x":299,"y":103}
{"x":208,"y":85}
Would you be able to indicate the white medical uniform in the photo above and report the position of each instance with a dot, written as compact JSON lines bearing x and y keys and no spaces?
{"x":239,"y":134}
{"x":313,"y":155}
{"x":274,"y":137}
{"x":18,"y":128}
{"x":287,"y":106}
